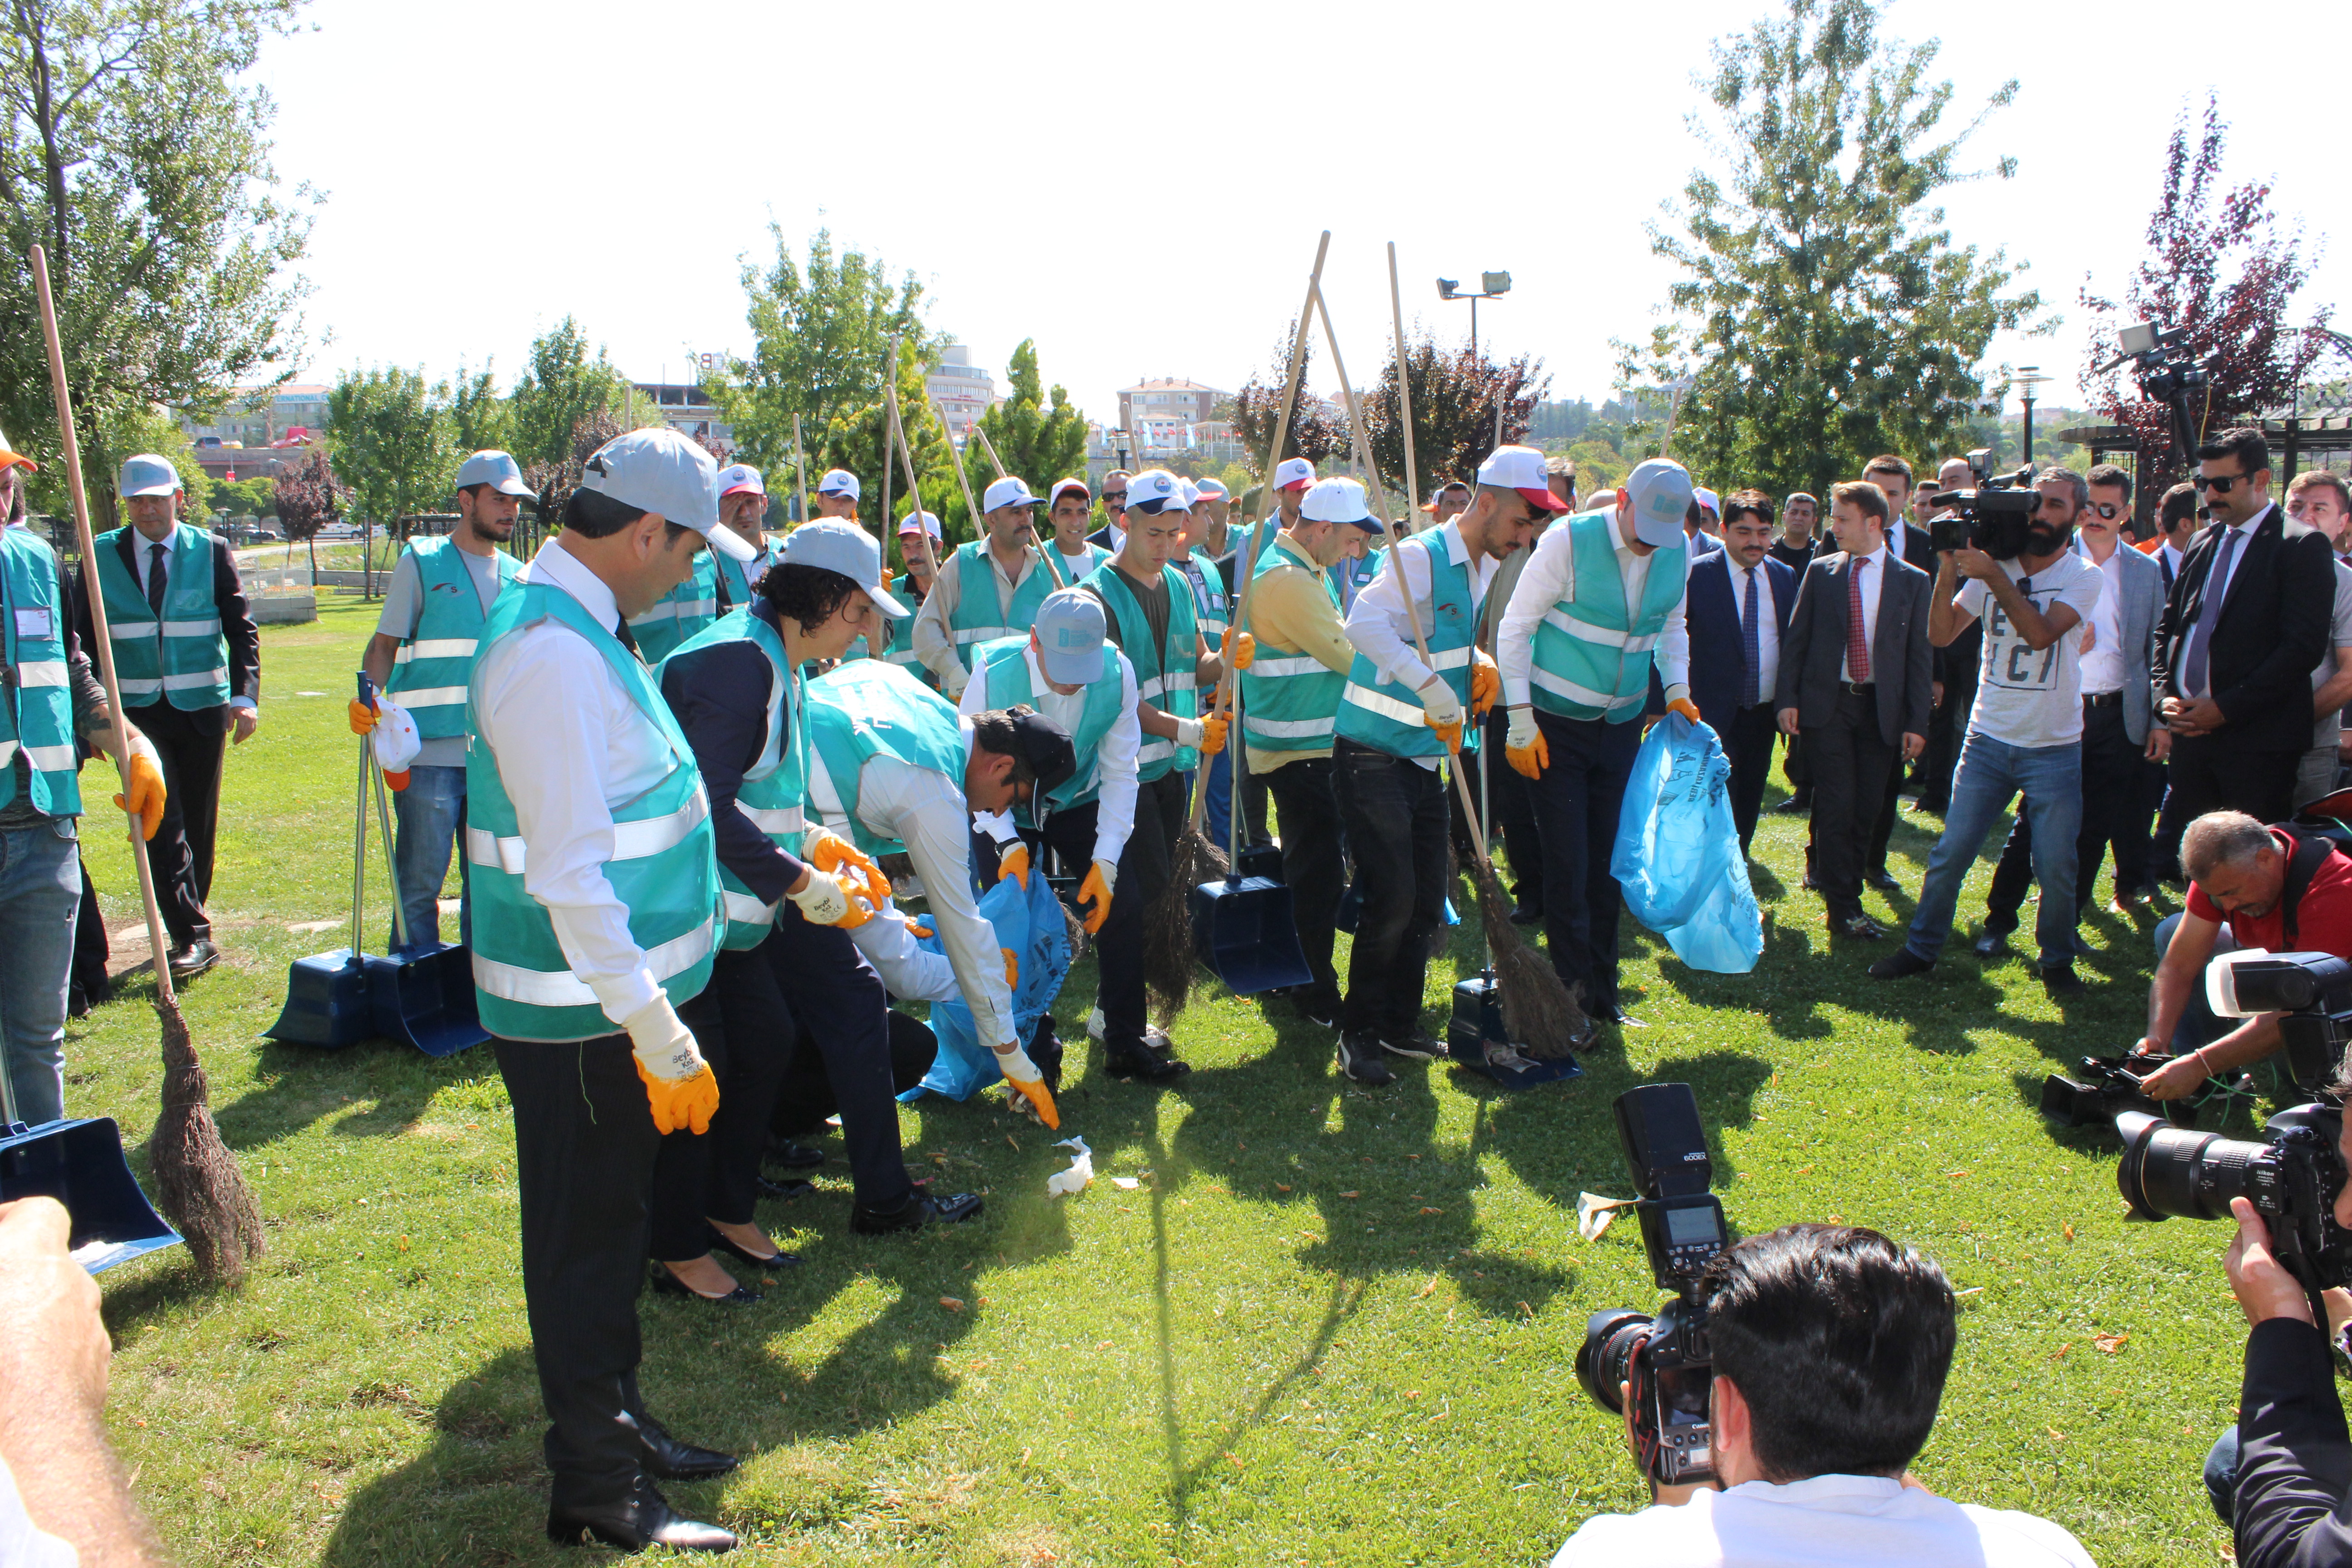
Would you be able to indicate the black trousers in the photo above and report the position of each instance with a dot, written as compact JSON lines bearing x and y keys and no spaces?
{"x":1851,"y":769}
{"x":745,"y":1031}
{"x":1578,"y":800}
{"x":836,"y":1002}
{"x":90,"y":985}
{"x":2164,"y":844}
{"x":1395,"y":811}
{"x":1511,"y":814}
{"x":806,"y":1098}
{"x":1948,"y":725}
{"x":2113,"y":791}
{"x":2219,"y":773}
{"x":584,"y":1150}
{"x":1890,"y":806}
{"x":1747,"y":742}
{"x":1255,"y":798}
{"x":1143,"y":865}
{"x":191,"y":749}
{"x":1311,"y":863}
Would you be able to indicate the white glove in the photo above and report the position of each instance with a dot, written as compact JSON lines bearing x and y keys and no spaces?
{"x":1437,"y":700}
{"x":1521,"y":733}
{"x":664,"y":1045}
{"x":1188,"y":733}
{"x":954,"y":681}
{"x":824,"y":901}
{"x":1015,"y":1063}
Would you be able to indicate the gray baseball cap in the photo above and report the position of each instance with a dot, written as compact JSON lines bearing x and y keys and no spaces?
{"x":832,"y":544}
{"x":1070,"y":628}
{"x":1659,"y":492}
{"x":147,"y":475}
{"x":659,"y":470}
{"x":497,"y":469}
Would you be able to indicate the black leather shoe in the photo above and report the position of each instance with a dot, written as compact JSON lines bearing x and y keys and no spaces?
{"x":774,"y":1263}
{"x":1142,"y":1060}
{"x":187,"y":962}
{"x":791,"y":1188}
{"x":635,"y":1523}
{"x":1523,"y":916}
{"x":1992,"y":945}
{"x":669,"y":1284}
{"x":1797,"y":805}
{"x":672,"y":1460}
{"x":2063,"y":980}
{"x":792,"y":1156}
{"x":920,"y":1210}
{"x":1880,"y":877}
{"x":1901,"y":964}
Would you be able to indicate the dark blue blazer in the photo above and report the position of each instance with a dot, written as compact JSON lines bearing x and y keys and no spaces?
{"x":1713,"y":616}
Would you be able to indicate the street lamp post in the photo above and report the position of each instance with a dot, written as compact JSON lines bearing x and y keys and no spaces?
{"x":2028,"y":377}
{"x":1496,"y":285}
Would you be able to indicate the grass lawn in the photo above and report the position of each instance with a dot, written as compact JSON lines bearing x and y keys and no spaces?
{"x":1327,"y":1324}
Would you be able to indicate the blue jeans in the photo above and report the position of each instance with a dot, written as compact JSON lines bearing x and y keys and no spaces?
{"x":2199,"y":1025}
{"x":431,"y":813}
{"x":2221,"y":1475}
{"x":1217,"y":817}
{"x":1990,"y":772}
{"x":40,"y":893}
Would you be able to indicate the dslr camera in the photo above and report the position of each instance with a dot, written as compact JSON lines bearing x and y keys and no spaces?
{"x":1995,"y":517}
{"x":1663,"y":1357}
{"x":2292,"y":1176}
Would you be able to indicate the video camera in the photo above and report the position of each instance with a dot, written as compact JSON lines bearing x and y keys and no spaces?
{"x":2106,"y":1088}
{"x":1663,"y":1357}
{"x":2167,"y":374}
{"x":1995,"y":517}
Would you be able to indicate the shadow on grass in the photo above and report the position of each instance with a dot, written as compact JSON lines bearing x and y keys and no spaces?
{"x":300,"y":1085}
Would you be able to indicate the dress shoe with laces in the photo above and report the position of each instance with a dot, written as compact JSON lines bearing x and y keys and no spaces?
{"x":792,"y":1156}
{"x":1992,"y":945}
{"x":635,"y":1523}
{"x":918,"y":1211}
{"x":187,"y":962}
{"x":672,"y":1460}
{"x":669,"y":1284}
{"x":792,"y":1187}
{"x":1796,"y":804}
{"x":775,"y":1262}
{"x":1146,"y":1059}
{"x":1880,"y":877}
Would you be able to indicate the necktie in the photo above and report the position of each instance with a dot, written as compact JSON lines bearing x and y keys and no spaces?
{"x":1750,"y":646}
{"x":155,"y":579}
{"x":1857,"y":636}
{"x":2209,"y":610}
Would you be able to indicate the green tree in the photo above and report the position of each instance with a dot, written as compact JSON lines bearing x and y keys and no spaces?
{"x":1825,"y":314}
{"x":390,"y":444}
{"x":1040,"y":443}
{"x":854,"y":441}
{"x":479,"y":420}
{"x":136,"y":150}
{"x":563,"y":388}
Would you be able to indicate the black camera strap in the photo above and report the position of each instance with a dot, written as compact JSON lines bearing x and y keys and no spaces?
{"x":2311,"y":851}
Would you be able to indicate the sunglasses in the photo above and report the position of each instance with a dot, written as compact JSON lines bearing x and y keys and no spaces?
{"x":2218,"y":483}
{"x":2108,"y":510}
{"x":1114,"y":498}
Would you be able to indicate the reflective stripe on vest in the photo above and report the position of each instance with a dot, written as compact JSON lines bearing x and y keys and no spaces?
{"x":1290,"y":701}
{"x":182,"y":657}
{"x":1209,"y":606}
{"x":981,"y":614}
{"x":1591,"y":657}
{"x":775,"y":786}
{"x":1005,"y":666}
{"x":663,"y":868}
{"x":858,"y":711}
{"x":678,"y":614}
{"x":430,"y":670}
{"x":36,"y":693}
{"x":1171,"y":691}
{"x":1377,"y":711}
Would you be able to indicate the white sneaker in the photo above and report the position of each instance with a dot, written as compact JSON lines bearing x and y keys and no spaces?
{"x":1095,"y":1025}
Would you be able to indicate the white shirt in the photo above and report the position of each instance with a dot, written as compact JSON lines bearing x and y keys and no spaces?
{"x":1377,"y":621}
{"x":1767,"y":627}
{"x":1550,"y":577}
{"x":2025,"y":696}
{"x":1069,"y":571}
{"x":2104,"y":666}
{"x":926,"y":810}
{"x":2171,"y":557}
{"x":1873,"y":574}
{"x":1115,"y":766}
{"x":570,"y":746}
{"x":1826,"y":1521}
{"x":22,"y":1543}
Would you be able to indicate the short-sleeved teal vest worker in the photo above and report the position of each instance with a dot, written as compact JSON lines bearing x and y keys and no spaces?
{"x":180,"y":659}
{"x":1384,"y":715}
{"x":1290,"y":701}
{"x":35,"y":695}
{"x":665,"y":864}
{"x":1000,"y":665}
{"x":981,"y":614}
{"x":430,"y":672}
{"x":1592,"y":658}
{"x":775,"y":791}
{"x":683,"y":610}
{"x":858,"y":711}
{"x":1163,"y":676}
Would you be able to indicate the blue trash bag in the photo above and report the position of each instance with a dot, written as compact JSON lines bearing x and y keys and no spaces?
{"x":1677,"y":852}
{"x":1031,"y":924}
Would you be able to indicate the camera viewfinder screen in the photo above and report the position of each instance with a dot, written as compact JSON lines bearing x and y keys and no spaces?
{"x":1694,"y":1223}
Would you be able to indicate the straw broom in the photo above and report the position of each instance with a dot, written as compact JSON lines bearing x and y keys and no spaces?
{"x":196,"y":1180}
{"x":1168,"y":956}
{"x":1537,"y":1007}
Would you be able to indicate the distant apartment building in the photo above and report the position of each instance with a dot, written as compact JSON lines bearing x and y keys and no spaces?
{"x":1170,"y":400}
{"x":963,"y":390}
{"x":259,"y":431}
{"x":685,"y":407}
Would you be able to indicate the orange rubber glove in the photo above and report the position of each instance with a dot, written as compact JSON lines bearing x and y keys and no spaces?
{"x":1026,"y":1082}
{"x":1687,"y":707}
{"x":363,"y":717}
{"x":1212,"y":734}
{"x":1012,"y":967}
{"x":1013,"y":861}
{"x":916,"y":928}
{"x":679,"y":1084}
{"x":1523,"y":746}
{"x":1485,"y":683}
{"x":830,"y":852}
{"x":147,"y":793}
{"x":1094,"y":895}
{"x":831,"y":900}
{"x":1239,"y":650}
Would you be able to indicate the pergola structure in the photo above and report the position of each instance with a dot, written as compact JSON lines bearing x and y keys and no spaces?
{"x":2311,"y":441}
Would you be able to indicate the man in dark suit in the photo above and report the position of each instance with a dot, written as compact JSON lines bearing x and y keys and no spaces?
{"x":1906,"y":541}
{"x":1738,"y":611}
{"x":1854,"y":674}
{"x":188,"y":657}
{"x":2247,"y":619}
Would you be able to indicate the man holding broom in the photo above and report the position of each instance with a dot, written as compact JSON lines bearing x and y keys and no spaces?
{"x":988,"y":589}
{"x":836,"y":495}
{"x":1398,"y":719}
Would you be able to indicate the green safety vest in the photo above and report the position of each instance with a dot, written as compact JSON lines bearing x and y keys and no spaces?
{"x":1383,"y":713}
{"x":743,"y":578}
{"x":1208,"y":607}
{"x":682,"y":612}
{"x":872,"y":708}
{"x":1290,"y":701}
{"x":1168,"y":689}
{"x":1002,"y":664}
{"x":1058,"y":564}
{"x":37,"y":696}
{"x":181,"y":658}
{"x":430,"y":672}
{"x":664,"y":865}
{"x":981,"y":615}
{"x":1592,"y":659}
{"x":774,"y":788}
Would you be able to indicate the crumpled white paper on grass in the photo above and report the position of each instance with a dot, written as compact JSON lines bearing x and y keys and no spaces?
{"x":1593,"y":1213}
{"x":1080,"y":1174}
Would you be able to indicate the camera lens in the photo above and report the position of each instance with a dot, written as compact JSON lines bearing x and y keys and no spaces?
{"x":2168,"y":1171}
{"x":1605,"y":1358}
